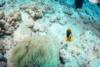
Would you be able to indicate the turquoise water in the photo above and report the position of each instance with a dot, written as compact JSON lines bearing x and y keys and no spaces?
{"x":34,"y":33}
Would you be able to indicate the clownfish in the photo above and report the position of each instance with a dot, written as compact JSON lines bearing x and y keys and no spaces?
{"x":69,"y":36}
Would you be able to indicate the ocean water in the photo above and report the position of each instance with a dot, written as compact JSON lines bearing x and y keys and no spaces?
{"x":49,"y":33}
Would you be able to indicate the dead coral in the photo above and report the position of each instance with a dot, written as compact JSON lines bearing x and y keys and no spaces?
{"x":35,"y":14}
{"x":9,"y":23}
{"x":34,"y":11}
{"x":3,"y":59}
{"x":15,"y":16}
{"x":1,"y":14}
{"x":14,"y":19}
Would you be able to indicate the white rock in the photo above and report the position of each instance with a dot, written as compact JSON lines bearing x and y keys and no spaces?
{"x":22,"y":33}
{"x":95,"y":1}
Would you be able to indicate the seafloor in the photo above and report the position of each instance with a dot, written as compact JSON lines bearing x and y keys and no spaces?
{"x":33,"y":33}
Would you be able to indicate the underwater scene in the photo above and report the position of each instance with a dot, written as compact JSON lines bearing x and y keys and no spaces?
{"x":49,"y":33}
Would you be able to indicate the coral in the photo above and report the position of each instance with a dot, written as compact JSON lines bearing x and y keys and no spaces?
{"x":2,"y":3}
{"x":3,"y":59}
{"x":2,"y":28}
{"x":38,"y":15}
{"x":15,"y":16}
{"x":9,"y":23}
{"x":43,"y":16}
{"x":62,"y":56}
{"x":1,"y":14}
{"x":2,"y":48}
{"x":35,"y":51}
{"x":34,"y":11}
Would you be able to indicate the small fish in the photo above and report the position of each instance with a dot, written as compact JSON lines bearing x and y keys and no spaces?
{"x":69,"y":36}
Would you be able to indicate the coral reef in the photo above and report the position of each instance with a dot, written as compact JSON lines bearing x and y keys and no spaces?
{"x":9,"y":23}
{"x":34,"y":33}
{"x":3,"y":59}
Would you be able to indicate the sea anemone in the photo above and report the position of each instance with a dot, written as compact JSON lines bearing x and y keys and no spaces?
{"x":35,"y":51}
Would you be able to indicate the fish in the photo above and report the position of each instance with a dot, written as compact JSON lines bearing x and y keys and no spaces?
{"x":69,"y":36}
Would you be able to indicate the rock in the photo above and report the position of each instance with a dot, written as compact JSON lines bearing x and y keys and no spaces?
{"x":2,"y":52}
{"x":34,"y":11}
{"x":2,"y":28}
{"x":39,"y":28}
{"x":38,"y":15}
{"x":2,"y":3}
{"x":23,"y":7}
{"x":13,"y":20}
{"x":3,"y":61}
{"x":21,"y":33}
{"x":96,"y":51}
{"x":2,"y":21}
{"x":9,"y":23}
{"x":94,"y":63}
{"x":95,"y":1}
{"x":47,"y":9}
{"x":8,"y":19}
{"x":16,"y":16}
{"x":72,"y":3}
{"x":62,"y":56}
{"x":1,"y":14}
{"x":54,"y":19}
{"x":10,"y":30}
